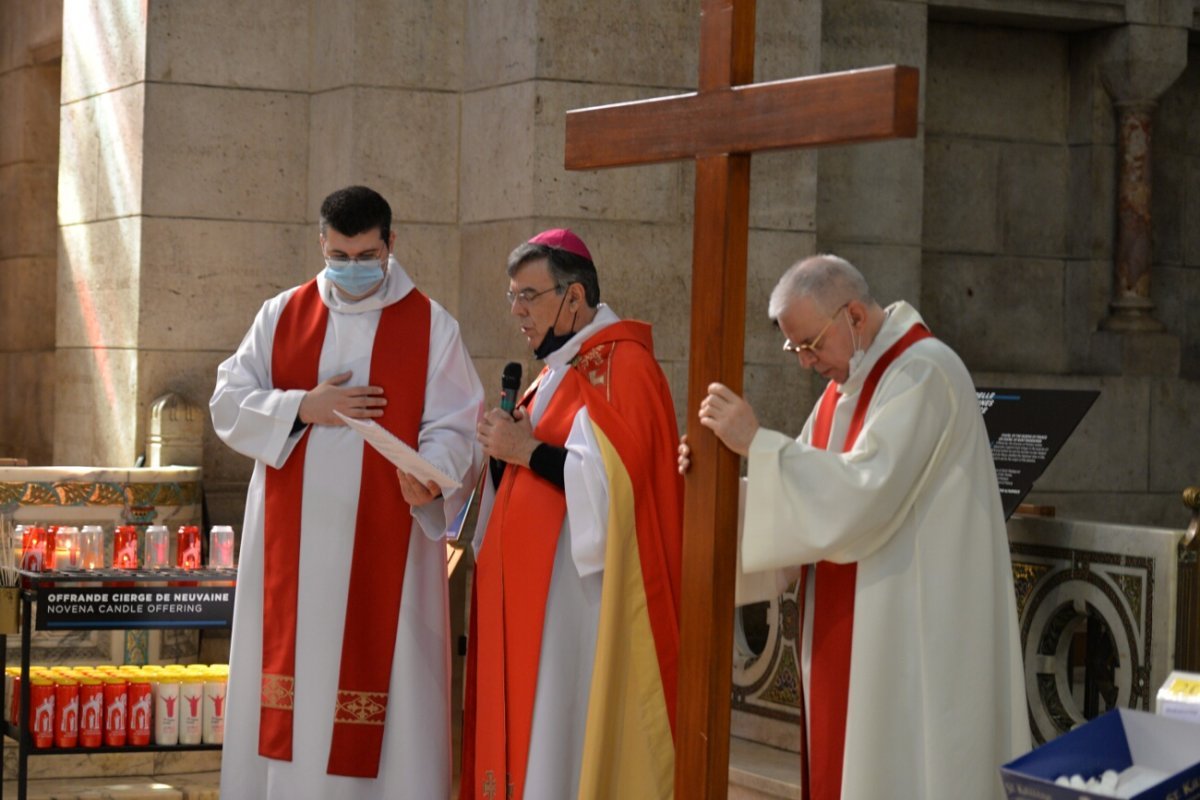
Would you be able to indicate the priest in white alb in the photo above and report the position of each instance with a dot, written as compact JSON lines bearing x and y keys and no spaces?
{"x":887,"y":509}
{"x":340,"y":662}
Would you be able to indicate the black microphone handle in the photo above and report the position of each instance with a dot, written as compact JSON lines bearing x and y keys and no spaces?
{"x":510,"y":383}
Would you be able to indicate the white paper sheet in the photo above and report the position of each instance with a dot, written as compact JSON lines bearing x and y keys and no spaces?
{"x":398,"y":452}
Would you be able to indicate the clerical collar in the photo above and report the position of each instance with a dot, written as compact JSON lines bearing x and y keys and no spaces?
{"x":605,"y":316}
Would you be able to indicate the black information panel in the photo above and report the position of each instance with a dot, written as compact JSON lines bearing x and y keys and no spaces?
{"x":1026,"y":428}
{"x":64,"y":602}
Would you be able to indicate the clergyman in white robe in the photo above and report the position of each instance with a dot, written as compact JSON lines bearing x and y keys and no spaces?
{"x":257,"y":421}
{"x":936,"y":701}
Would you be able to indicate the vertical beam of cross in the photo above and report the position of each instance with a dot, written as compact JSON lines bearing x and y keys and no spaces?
{"x":718,"y":332}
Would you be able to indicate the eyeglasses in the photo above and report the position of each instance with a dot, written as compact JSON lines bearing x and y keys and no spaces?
{"x":359,"y":259}
{"x":526,"y":296}
{"x":812,"y":347}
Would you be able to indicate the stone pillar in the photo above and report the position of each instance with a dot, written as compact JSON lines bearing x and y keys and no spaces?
{"x":30,"y":48}
{"x":1140,"y":62}
{"x":183,"y":172}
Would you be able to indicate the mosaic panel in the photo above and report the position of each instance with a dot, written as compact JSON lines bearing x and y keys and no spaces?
{"x":766,"y":684}
{"x":1096,"y":610}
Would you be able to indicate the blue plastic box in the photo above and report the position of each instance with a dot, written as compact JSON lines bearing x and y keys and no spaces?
{"x":1116,"y":740}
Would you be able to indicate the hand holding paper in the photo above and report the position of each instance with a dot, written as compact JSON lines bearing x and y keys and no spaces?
{"x":399,"y":453}
{"x":416,"y":493}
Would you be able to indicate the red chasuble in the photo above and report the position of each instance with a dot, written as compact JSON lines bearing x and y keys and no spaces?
{"x":617,"y":379}
{"x":380,"y":535}
{"x":833,"y":609}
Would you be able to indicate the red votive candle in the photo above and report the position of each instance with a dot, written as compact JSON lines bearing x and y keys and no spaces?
{"x":116,"y":699}
{"x":41,"y":711}
{"x":66,"y":713}
{"x":125,"y":547}
{"x":91,"y":712}
{"x":187,"y":550}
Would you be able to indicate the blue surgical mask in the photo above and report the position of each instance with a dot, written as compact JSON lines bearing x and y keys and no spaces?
{"x":352,"y":276}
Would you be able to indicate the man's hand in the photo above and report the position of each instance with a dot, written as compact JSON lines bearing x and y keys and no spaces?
{"x":356,"y":402}
{"x":505,"y":438}
{"x":685,"y":455}
{"x":730,"y":417}
{"x":415,"y":493}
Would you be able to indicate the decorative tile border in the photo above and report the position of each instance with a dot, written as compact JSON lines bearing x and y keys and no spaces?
{"x":108,"y":493}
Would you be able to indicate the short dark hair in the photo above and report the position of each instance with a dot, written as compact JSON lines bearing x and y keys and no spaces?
{"x":565,"y":268}
{"x":355,"y":210}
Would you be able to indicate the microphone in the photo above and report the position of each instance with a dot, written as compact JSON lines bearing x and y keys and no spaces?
{"x":510,"y":384}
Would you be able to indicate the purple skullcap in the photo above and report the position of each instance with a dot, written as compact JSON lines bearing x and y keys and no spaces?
{"x":563,"y":239}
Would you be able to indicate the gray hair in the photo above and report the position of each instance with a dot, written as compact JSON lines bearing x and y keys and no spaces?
{"x":565,"y":268}
{"x":828,"y":279}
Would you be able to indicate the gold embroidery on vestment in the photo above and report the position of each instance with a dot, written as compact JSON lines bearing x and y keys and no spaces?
{"x":278,"y":691}
{"x":360,"y":708}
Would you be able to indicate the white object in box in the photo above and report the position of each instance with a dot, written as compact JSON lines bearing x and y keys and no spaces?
{"x":1179,"y":697}
{"x":1118,"y":740}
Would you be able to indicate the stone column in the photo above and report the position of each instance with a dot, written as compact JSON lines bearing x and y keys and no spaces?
{"x":1140,"y":62}
{"x":182,"y":179}
{"x":30,"y":48}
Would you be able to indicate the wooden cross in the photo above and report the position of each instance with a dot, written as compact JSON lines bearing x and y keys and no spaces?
{"x":720,"y":126}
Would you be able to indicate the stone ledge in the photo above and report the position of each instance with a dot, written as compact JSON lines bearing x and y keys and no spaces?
{"x":759,"y":772}
{"x":191,"y":786}
{"x":164,"y":765}
{"x":1157,"y":354}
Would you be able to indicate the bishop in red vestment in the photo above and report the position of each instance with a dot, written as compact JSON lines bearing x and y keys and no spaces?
{"x":574,"y":632}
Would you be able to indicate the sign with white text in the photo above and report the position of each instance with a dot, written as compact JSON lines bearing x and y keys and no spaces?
{"x":140,"y":606}
{"x":1026,"y":428}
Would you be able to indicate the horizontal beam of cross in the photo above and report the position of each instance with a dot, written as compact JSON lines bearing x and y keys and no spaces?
{"x":837,"y":108}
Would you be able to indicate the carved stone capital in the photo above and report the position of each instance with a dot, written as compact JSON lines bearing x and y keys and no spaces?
{"x":1140,"y":62}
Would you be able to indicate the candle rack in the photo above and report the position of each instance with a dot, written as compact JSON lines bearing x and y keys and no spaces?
{"x":42,"y":589}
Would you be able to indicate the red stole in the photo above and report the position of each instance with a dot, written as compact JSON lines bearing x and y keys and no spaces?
{"x":833,"y":608}
{"x":381,"y":534}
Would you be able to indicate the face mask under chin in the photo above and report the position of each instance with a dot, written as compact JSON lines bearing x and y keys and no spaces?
{"x":553,"y":341}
